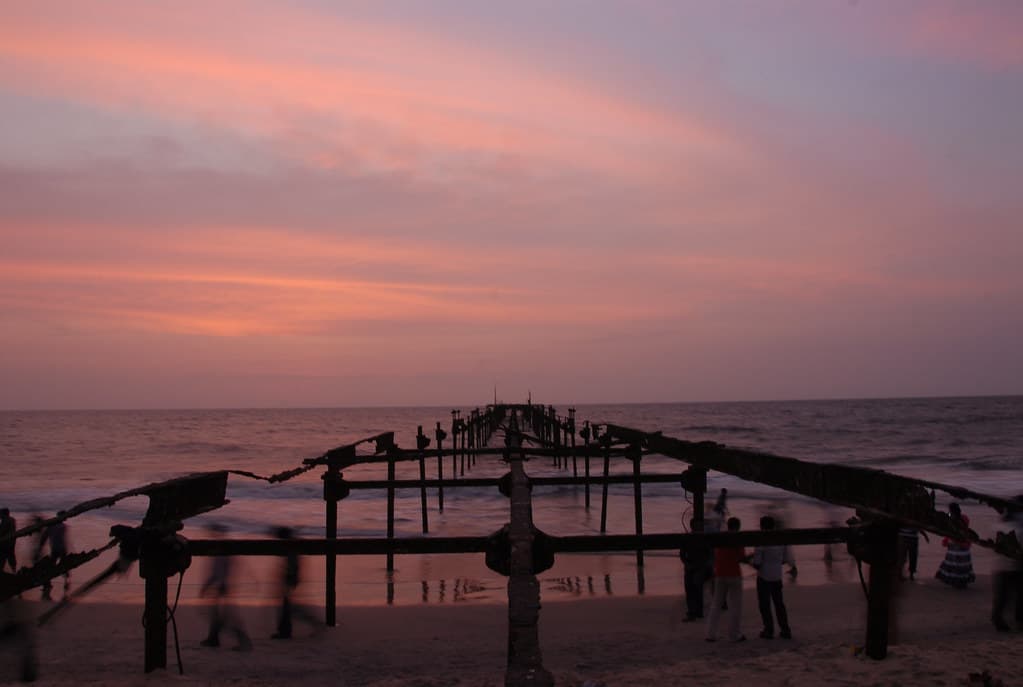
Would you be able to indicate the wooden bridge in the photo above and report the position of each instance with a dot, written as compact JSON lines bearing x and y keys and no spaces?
{"x":519,"y":550}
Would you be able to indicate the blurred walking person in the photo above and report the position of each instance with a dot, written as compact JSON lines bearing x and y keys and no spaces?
{"x":1008,"y":577}
{"x":56,"y":535}
{"x":289,"y":579}
{"x":222,"y":614}
{"x":697,"y":561}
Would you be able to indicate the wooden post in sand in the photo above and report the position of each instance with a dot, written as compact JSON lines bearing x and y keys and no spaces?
{"x":155,"y":615}
{"x":331,"y":480}
{"x":883,"y":543}
{"x":525,"y":661}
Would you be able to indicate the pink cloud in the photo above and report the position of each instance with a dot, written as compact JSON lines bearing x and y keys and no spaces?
{"x":987,"y":34}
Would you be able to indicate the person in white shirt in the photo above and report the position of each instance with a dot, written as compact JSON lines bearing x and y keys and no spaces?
{"x":768,"y":561}
{"x":1008,"y":577}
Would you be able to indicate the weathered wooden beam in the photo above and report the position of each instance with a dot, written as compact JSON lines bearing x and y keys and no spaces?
{"x":879,"y":493}
{"x":363,"y":546}
{"x":493,"y":481}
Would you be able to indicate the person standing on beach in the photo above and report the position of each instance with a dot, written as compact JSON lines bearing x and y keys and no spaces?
{"x":222,"y":615}
{"x":957,"y":568}
{"x":56,"y":535}
{"x":768,"y":561}
{"x":1008,"y":577}
{"x":728,"y":587}
{"x":697,"y":561}
{"x":909,"y":548}
{"x":8,"y":526}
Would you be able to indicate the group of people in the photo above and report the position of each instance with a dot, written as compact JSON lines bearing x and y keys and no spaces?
{"x":223,"y":617}
{"x":722,"y":567}
{"x":54,"y":534}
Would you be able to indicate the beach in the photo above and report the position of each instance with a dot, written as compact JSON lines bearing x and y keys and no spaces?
{"x":944,"y":635}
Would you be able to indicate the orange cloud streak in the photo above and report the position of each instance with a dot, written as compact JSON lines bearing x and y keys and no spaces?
{"x":400,"y":114}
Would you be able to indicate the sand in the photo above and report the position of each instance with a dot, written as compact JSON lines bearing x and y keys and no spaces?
{"x":945,"y":634}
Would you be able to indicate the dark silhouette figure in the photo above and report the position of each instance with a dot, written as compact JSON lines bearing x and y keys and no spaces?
{"x":8,"y":526}
{"x":698,"y":561}
{"x":957,"y":568}
{"x":727,"y":586}
{"x":222,"y":614}
{"x":16,"y":625}
{"x":1008,"y":577}
{"x":768,"y":560}
{"x":909,"y":549}
{"x":57,"y":537}
{"x":290,"y":576}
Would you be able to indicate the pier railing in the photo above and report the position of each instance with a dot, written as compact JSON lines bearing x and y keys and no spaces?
{"x":518,"y":550}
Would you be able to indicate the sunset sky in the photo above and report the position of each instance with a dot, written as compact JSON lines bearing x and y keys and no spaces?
{"x":318,"y":203}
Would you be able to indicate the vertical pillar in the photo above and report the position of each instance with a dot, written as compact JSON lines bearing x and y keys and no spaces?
{"x":155,"y":617}
{"x":421,"y":443}
{"x":571,"y":431}
{"x":525,"y":660}
{"x":586,"y":461}
{"x":607,"y":473}
{"x":883,"y":540}
{"x":637,"y":495}
{"x":440,"y":467}
{"x":330,"y":481}
{"x":390,"y":511}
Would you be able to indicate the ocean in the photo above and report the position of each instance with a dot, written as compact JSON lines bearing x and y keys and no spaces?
{"x":55,"y":459}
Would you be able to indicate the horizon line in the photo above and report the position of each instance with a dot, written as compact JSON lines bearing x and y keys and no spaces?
{"x":834,"y":399}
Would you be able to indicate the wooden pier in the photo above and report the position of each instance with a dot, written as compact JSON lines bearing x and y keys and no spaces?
{"x":519,"y":550}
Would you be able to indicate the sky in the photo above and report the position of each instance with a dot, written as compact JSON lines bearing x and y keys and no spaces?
{"x":240,"y":203}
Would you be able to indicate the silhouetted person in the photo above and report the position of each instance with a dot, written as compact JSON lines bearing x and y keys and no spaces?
{"x":727,"y":587}
{"x":768,"y":561}
{"x":16,"y":624}
{"x":290,"y":576}
{"x":1008,"y":577}
{"x":222,"y":615}
{"x":57,"y":537}
{"x":8,"y":555}
{"x":909,"y":548}
{"x":957,"y":568}
{"x":715,"y":522}
{"x":698,"y":561}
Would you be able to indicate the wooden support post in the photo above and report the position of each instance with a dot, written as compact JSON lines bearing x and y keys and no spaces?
{"x":454,"y":444}
{"x":525,"y":660}
{"x":571,"y":431}
{"x":637,"y":495}
{"x":440,"y":467}
{"x":333,"y":474}
{"x":421,"y":444}
{"x":586,"y":463}
{"x":464,"y":435}
{"x":698,"y":497}
{"x":390,"y":512}
{"x":603,"y":504}
{"x":884,"y":537}
{"x":156,"y":620}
